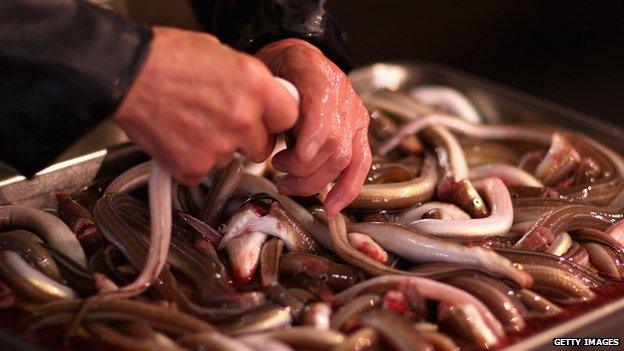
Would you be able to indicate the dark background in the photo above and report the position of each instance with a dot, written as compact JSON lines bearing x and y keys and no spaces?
{"x":572,"y":54}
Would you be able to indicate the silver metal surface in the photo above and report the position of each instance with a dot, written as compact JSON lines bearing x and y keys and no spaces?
{"x":496,"y":103}
{"x":68,"y":176}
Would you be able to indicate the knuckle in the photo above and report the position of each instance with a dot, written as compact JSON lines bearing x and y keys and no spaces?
{"x":240,"y":115}
{"x":252,"y":71}
{"x":340,"y":161}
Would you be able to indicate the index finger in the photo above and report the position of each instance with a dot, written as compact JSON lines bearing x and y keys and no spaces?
{"x":319,"y":113}
{"x":352,"y":178}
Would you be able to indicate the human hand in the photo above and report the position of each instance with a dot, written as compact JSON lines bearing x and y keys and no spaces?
{"x":196,"y":101}
{"x":333,"y":138}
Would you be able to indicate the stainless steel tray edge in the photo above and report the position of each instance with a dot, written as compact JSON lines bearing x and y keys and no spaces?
{"x":68,"y":176}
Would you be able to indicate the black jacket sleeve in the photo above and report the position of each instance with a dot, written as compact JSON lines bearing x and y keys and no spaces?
{"x":64,"y":66}
{"x":249,"y":25}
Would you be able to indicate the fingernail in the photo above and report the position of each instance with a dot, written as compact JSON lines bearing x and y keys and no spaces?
{"x":310,"y":151}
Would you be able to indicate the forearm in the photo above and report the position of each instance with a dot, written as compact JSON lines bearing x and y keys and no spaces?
{"x":64,"y":67}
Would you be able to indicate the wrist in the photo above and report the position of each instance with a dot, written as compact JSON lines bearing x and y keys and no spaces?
{"x":286,"y":44}
{"x":280,"y":55}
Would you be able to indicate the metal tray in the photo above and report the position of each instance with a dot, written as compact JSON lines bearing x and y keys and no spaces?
{"x":497,"y":104}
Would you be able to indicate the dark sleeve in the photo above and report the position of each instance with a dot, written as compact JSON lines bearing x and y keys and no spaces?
{"x":64,"y":66}
{"x":249,"y":25}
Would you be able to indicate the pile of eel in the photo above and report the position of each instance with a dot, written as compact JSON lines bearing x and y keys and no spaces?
{"x":465,"y":234}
